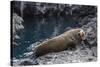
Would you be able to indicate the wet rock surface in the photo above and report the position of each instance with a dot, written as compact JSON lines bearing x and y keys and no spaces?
{"x":68,"y":57}
{"x":63,"y":57}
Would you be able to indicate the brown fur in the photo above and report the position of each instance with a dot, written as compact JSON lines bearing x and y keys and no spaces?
{"x":59,"y":43}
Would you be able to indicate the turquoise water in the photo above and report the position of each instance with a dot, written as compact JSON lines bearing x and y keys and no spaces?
{"x":39,"y":28}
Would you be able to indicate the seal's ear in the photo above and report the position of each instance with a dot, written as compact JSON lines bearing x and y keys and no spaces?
{"x":82,"y":34}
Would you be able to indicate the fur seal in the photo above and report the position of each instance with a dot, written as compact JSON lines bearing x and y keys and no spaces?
{"x":68,"y":39}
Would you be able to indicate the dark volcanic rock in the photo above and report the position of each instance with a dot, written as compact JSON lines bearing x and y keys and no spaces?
{"x":91,"y":31}
{"x":52,"y":9}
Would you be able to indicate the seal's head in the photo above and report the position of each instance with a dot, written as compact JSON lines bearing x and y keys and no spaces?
{"x":82,"y":34}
